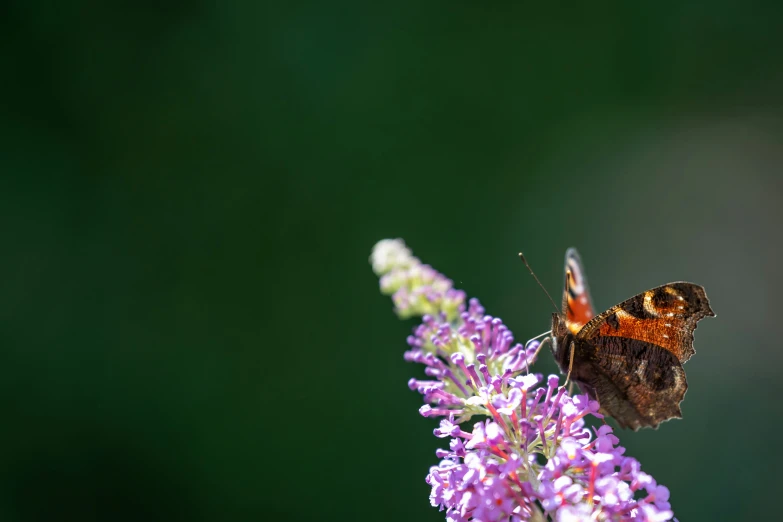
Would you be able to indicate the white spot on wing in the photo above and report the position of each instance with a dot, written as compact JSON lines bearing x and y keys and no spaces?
{"x":677,"y":380}
{"x":575,"y":281}
{"x":641,"y":368}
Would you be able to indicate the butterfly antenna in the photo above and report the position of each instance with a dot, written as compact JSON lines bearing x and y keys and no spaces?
{"x":522,"y":257}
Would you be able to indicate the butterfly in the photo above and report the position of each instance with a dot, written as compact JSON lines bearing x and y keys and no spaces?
{"x":628,"y":358}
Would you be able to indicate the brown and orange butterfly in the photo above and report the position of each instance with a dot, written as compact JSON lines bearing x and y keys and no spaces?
{"x":629,"y":358}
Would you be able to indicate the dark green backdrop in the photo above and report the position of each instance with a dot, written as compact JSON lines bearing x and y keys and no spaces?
{"x":189,"y":192}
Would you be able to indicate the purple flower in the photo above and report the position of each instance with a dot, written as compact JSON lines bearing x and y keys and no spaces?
{"x":531,"y":457}
{"x":416,"y":289}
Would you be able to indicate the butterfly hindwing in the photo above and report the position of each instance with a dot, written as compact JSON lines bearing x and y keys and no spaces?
{"x":636,"y":382}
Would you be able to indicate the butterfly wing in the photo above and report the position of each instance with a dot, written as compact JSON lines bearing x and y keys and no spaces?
{"x":577,"y":304}
{"x":665,"y":316}
{"x":635,"y":352}
{"x":638,"y":386}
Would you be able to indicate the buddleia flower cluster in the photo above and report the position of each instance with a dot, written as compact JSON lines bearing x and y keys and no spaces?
{"x":528,"y":454}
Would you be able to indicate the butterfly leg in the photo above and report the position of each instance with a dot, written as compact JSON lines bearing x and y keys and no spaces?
{"x":570,"y":363}
{"x":535,"y":354}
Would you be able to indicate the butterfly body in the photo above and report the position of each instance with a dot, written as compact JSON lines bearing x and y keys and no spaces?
{"x":629,"y":358}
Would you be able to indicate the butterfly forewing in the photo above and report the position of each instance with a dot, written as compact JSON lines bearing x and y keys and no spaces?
{"x":665,"y":316}
{"x":577,"y":303}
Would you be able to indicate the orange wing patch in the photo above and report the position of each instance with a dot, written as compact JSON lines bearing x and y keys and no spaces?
{"x":670,"y":333}
{"x":579,"y":310}
{"x":665,"y":316}
{"x":577,"y":305}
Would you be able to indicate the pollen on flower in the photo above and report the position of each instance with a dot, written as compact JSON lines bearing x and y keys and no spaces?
{"x":531,"y":456}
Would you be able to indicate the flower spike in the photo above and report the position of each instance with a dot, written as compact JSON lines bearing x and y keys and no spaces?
{"x":531,"y":457}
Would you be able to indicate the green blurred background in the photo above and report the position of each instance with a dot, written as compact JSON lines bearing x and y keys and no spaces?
{"x":189,"y":193}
